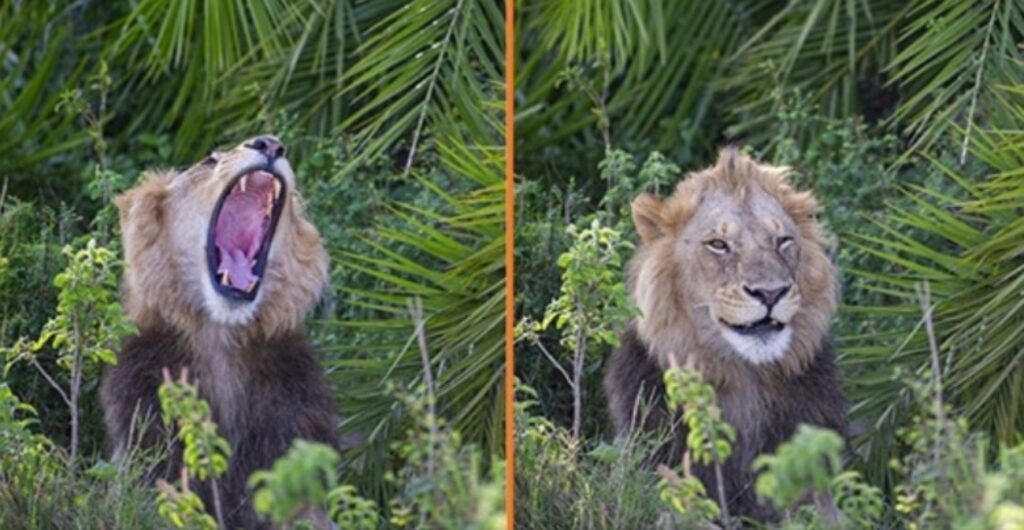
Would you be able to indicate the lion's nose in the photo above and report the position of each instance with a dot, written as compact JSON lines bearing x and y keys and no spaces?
{"x":269,"y":146}
{"x":767,"y":297}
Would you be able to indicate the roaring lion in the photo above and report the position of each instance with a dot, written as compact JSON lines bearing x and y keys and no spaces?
{"x":733,"y":279}
{"x":222,"y":266}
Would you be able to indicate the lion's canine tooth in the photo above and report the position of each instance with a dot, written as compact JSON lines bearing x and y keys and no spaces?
{"x":277,"y":189}
{"x":241,"y":183}
{"x":251,"y":287}
{"x":224,"y":278}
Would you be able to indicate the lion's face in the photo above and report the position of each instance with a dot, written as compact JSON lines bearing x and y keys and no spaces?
{"x":733,"y":262}
{"x":740,"y":257}
{"x":225,"y":240}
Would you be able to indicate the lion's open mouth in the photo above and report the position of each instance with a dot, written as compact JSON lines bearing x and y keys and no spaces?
{"x":760,"y":327}
{"x":241,"y":231}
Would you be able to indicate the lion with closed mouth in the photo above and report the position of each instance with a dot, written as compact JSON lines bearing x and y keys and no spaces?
{"x":222,"y":267}
{"x":732,"y":278}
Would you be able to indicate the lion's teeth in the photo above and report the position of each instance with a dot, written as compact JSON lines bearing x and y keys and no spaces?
{"x":241,"y":183}
{"x":277,"y":189}
{"x":224,"y":278}
{"x":251,"y":287}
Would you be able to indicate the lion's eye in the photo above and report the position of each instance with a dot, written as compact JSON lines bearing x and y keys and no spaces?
{"x":717,"y":246}
{"x":210,"y":160}
{"x":784,"y":242}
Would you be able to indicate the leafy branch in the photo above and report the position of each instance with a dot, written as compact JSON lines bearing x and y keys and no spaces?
{"x":88,"y":325}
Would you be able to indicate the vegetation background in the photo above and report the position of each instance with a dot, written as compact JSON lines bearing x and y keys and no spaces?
{"x":392,"y":114}
{"x":904,"y":118}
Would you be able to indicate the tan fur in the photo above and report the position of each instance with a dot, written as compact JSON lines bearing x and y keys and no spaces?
{"x":164,"y":222}
{"x":681,"y":289}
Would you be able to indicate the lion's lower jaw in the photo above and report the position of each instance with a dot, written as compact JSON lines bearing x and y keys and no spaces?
{"x":760,"y":350}
{"x":226,"y":312}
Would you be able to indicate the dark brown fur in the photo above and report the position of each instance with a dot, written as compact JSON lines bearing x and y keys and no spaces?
{"x":284,"y":398}
{"x":811,"y":397}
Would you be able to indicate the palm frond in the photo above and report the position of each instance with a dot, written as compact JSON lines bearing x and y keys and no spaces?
{"x":452,"y":262}
{"x":952,"y":55}
{"x":423,"y":64}
{"x":968,"y":249}
{"x":827,"y":49}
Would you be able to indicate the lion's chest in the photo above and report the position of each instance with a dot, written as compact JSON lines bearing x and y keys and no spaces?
{"x":745,"y":407}
{"x":222,"y":380}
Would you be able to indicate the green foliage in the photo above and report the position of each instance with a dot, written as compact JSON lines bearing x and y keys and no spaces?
{"x":861,"y":504}
{"x":592,"y":306}
{"x":950,"y":479}
{"x":89,"y":319}
{"x":428,"y":62}
{"x":709,"y":440}
{"x":22,"y":453}
{"x":42,"y":490}
{"x":709,"y":437}
{"x":349,"y":510}
{"x":205,"y":453}
{"x":687,"y":73}
{"x":965,"y":245}
{"x":183,"y":508}
{"x":560,"y":484}
{"x":686,"y":495}
{"x":443,"y":482}
{"x":89,"y":322}
{"x":594,"y":303}
{"x":803,"y":465}
{"x":305,"y":480}
{"x":449,"y":257}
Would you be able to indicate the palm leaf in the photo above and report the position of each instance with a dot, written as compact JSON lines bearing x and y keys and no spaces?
{"x":969,"y":251}
{"x":452,"y":262}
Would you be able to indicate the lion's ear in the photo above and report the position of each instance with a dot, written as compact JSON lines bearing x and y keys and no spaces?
{"x":141,"y":212}
{"x":647,"y":217}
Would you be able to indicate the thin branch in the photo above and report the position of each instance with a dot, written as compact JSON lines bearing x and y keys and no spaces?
{"x":554,"y":361}
{"x":76,"y":388}
{"x":924,"y":297}
{"x":977,"y":84}
{"x":416,"y":312}
{"x":430,"y":88}
{"x":63,"y":395}
{"x":3,"y":195}
{"x":722,"y":503}
{"x":217,"y":510}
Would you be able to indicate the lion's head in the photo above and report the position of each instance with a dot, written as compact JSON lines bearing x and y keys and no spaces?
{"x":733,"y":266}
{"x":225,"y":240}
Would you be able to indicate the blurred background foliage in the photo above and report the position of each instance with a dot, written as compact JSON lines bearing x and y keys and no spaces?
{"x":392,"y":112}
{"x":903,"y":117}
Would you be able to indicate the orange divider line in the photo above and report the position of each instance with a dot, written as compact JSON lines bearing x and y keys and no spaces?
{"x":510,"y":445}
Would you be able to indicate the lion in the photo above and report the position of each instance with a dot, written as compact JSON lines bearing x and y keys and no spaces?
{"x":732,"y":278}
{"x":221,"y":268}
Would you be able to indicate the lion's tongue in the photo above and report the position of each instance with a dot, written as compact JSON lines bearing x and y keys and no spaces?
{"x":239,"y":232}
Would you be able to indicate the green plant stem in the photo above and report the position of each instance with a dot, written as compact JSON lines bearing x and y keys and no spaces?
{"x":76,"y":386}
{"x":554,"y":361}
{"x":577,"y":374}
{"x":52,"y":382}
{"x":924,"y":298}
{"x":416,"y":312}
